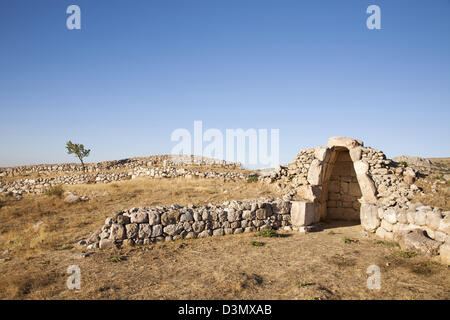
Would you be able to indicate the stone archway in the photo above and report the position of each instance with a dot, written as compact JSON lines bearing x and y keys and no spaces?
{"x":341,"y":192}
{"x":335,"y":169}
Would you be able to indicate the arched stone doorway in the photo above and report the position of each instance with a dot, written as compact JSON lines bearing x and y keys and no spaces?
{"x":338,"y":184}
{"x":343,"y":194}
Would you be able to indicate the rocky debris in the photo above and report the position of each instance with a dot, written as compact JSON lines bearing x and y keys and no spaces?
{"x":131,"y":163}
{"x":416,"y":227}
{"x":417,"y":240}
{"x":39,"y":185}
{"x":414,"y":161}
{"x":164,"y":223}
{"x":71,"y":198}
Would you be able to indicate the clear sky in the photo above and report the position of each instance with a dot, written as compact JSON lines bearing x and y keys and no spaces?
{"x":137,"y":70}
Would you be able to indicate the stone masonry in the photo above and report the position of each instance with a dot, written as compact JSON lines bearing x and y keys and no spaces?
{"x":343,"y":180}
{"x":163,"y":223}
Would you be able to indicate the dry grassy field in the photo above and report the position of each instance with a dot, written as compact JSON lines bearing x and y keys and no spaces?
{"x":39,"y":232}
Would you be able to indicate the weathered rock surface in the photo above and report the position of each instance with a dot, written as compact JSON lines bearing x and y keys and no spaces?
{"x":417,"y":240}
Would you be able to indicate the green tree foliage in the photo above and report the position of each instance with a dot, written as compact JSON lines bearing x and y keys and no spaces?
{"x":78,"y":150}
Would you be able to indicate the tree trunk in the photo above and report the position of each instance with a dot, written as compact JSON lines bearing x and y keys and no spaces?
{"x":82,"y":164}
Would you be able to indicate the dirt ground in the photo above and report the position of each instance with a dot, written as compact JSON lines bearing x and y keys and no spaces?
{"x":330,"y":264}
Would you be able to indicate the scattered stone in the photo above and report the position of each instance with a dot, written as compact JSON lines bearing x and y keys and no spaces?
{"x":417,"y":240}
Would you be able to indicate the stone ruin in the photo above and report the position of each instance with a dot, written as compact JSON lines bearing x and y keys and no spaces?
{"x":157,"y":167}
{"x":341,"y":181}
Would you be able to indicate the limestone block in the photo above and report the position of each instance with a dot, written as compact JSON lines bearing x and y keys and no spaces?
{"x":334,"y":196}
{"x":204,"y":234}
{"x":383,"y":234}
{"x":347,"y":204}
{"x":390,"y":215}
{"x":145,"y":231}
{"x":348,"y":143}
{"x":315,"y":173}
{"x":411,"y":216}
{"x":418,"y":241}
{"x":332,"y":204}
{"x":444,"y":225}
{"x":157,"y":230}
{"x":139,"y":217}
{"x":218,"y":232}
{"x":368,"y":188}
{"x":117,"y":232}
{"x":361,"y":167}
{"x":355,"y":153}
{"x":387,"y":226}
{"x":153,"y":218}
{"x":441,"y":237}
{"x":369,"y":217}
{"x":261,"y":214}
{"x":433,"y":220}
{"x":354,"y":190}
{"x":198,"y":226}
{"x":309,"y":193}
{"x":401,"y":217}
{"x":322,"y":153}
{"x":322,"y":214}
{"x":333,"y":186}
{"x":106,"y":244}
{"x":342,"y":169}
{"x":444,"y":253}
{"x":402,"y":228}
{"x":303,"y":213}
{"x":132,"y":230}
{"x":421,"y":218}
{"x":233,"y":215}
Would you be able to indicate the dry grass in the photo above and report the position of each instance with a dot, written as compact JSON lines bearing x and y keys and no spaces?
{"x":293,"y":266}
{"x":439,"y":197}
{"x":63,"y":224}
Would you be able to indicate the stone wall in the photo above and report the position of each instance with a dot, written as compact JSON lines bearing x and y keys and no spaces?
{"x":415,"y":226}
{"x":152,"y":167}
{"x":148,"y":225}
{"x":343,"y":190}
{"x":131,"y":163}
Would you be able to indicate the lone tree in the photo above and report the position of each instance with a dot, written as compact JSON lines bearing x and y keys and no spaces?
{"x":78,"y":150}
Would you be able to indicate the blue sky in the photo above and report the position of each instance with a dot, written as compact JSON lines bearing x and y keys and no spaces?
{"x":137,"y":70}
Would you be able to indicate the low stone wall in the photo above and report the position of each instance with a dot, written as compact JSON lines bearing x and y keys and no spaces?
{"x":39,"y":185}
{"x":415,"y":226}
{"x":148,"y":225}
{"x":131,"y":163}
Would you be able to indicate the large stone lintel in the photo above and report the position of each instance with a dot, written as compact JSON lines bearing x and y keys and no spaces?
{"x":345,"y":142}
